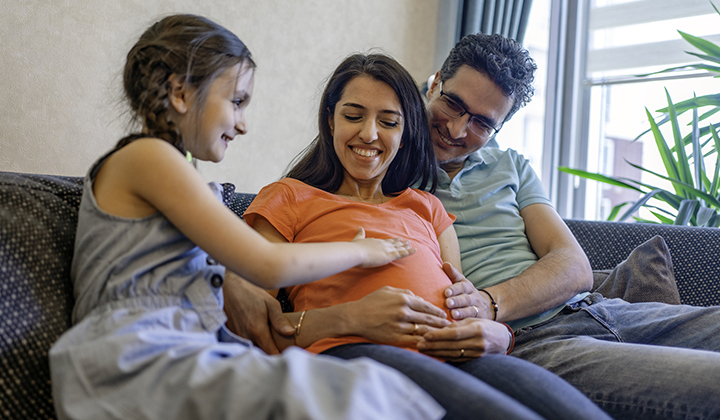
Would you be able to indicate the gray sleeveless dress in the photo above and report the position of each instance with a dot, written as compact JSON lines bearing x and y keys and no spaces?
{"x":149,"y":341}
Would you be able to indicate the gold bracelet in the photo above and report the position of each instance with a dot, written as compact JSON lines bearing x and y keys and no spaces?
{"x":297,"y":327}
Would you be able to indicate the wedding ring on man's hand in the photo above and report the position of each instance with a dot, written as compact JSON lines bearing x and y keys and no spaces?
{"x":477,"y":311}
{"x":415,"y":330}
{"x":462,"y":353}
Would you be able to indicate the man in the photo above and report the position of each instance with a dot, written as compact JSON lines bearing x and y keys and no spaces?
{"x":640,"y":360}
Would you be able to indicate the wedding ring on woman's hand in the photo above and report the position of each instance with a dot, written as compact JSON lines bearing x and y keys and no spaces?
{"x":415,"y":330}
{"x":477,"y":311}
{"x":462,"y":353}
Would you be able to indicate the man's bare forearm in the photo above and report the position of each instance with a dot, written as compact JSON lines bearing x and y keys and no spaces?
{"x":551,"y":281}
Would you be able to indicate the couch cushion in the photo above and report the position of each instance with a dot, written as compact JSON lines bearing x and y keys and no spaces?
{"x":38,"y":216}
{"x":645,"y":276}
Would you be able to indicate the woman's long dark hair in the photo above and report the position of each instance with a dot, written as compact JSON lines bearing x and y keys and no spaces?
{"x":192,"y":47}
{"x":319,"y":166}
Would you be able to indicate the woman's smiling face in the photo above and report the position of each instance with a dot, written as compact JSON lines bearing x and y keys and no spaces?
{"x":367,"y":128}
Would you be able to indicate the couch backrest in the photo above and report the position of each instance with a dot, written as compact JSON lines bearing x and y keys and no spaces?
{"x":695,"y":253}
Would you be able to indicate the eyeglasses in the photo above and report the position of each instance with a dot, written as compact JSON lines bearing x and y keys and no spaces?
{"x":476,"y":123}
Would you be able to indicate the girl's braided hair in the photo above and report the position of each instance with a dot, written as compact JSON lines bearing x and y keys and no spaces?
{"x":192,"y":47}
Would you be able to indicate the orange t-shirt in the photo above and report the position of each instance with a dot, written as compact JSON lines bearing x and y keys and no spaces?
{"x":302,"y":213}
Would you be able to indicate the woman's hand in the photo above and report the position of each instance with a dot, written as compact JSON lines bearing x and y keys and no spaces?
{"x":394,"y":316}
{"x":463,"y":299}
{"x":378,"y":252}
{"x":466,"y":340}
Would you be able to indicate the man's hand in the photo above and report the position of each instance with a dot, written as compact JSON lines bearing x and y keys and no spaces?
{"x":466,"y":340}
{"x":463,"y":300}
{"x":251,"y":312}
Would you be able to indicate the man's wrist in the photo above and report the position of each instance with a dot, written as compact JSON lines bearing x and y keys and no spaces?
{"x":493,"y":306}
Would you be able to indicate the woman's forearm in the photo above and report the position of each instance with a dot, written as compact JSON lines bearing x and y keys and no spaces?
{"x":332,"y":322}
{"x":388,"y":316}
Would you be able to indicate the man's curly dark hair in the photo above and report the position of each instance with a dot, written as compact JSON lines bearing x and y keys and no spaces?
{"x":502,"y":59}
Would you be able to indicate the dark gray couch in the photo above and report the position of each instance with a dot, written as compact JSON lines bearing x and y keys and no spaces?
{"x":38,"y":214}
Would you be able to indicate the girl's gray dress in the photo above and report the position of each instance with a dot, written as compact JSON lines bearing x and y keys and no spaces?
{"x":150,"y":341}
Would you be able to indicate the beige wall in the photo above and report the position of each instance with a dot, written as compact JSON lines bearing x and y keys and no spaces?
{"x":60,"y":64}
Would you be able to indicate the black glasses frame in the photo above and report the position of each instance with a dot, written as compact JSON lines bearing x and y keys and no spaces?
{"x":473,"y":117}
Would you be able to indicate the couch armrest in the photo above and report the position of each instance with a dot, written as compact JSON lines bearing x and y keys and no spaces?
{"x":695,"y":253}
{"x":38,"y":214}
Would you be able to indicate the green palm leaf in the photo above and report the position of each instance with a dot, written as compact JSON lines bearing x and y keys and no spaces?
{"x":663,"y":219}
{"x":696,"y":102}
{"x":699,"y":163}
{"x":665,"y":154}
{"x":683,"y":169}
{"x":598,"y":177}
{"x":701,"y":44}
{"x":713,"y":190}
{"x":687,"y":188}
{"x":686,"y":212}
{"x":640,"y":203}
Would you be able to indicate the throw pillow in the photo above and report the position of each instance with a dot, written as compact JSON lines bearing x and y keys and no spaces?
{"x":645,"y":276}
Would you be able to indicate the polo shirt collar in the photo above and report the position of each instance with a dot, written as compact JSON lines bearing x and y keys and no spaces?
{"x":473,"y":160}
{"x":479,"y":157}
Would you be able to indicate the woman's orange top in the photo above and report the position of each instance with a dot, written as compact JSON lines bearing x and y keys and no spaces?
{"x":302,"y":213}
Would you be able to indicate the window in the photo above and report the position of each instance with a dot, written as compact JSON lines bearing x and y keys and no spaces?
{"x":599,"y":104}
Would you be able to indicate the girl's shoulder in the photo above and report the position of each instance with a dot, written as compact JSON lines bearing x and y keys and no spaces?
{"x":148,"y":147}
{"x":145,"y":157}
{"x":129,"y":176}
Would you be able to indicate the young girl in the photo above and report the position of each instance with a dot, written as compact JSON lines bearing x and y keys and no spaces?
{"x":151,"y":246}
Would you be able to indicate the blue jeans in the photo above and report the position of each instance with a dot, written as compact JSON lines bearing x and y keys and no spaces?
{"x":491,"y":387}
{"x":635,"y":360}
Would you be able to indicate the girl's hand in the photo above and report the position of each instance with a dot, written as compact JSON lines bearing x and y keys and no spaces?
{"x":466,"y":340}
{"x":393,"y":316}
{"x":378,"y":252}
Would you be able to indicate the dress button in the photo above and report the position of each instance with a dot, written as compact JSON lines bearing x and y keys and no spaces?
{"x":210,"y":261}
{"x":216,"y":280}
